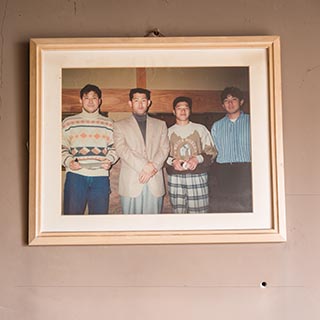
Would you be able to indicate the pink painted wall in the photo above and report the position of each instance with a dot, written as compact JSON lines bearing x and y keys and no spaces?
{"x":158,"y":281}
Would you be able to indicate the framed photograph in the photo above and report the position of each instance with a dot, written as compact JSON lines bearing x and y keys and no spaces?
{"x":197,"y":67}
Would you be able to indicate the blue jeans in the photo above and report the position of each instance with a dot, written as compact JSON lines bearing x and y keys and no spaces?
{"x":81,"y":190}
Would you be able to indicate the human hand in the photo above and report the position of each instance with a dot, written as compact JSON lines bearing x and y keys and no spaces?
{"x":192,"y":163}
{"x":177,"y":164}
{"x":144,"y":177}
{"x":74,"y":165}
{"x":106,"y":164}
{"x":147,"y":172}
{"x":150,"y":168}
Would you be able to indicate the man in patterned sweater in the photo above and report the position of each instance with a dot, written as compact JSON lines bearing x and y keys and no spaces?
{"x":87,"y":155}
{"x":191,"y":154}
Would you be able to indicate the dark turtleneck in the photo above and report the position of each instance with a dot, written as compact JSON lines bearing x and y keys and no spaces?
{"x":142,"y":122}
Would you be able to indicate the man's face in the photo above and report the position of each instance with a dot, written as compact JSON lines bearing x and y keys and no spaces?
{"x":182,"y":111}
{"x":90,"y":102}
{"x":139,"y":103}
{"x":232,"y":104}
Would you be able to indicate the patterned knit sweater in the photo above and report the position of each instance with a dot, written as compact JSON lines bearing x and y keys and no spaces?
{"x":190,"y":140}
{"x":88,"y":138}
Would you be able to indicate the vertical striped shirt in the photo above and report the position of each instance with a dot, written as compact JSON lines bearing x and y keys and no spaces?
{"x":232,"y":139}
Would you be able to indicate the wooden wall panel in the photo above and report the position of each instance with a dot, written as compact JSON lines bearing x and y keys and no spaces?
{"x":116,"y":100}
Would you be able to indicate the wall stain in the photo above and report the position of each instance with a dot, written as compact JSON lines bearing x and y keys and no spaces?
{"x":75,"y":7}
{"x":307,"y":72}
{"x":3,"y":18}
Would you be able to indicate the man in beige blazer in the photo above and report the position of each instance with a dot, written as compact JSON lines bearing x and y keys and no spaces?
{"x":142,"y":144}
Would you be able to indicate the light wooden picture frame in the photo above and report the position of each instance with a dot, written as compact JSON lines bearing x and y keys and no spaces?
{"x":49,"y":58}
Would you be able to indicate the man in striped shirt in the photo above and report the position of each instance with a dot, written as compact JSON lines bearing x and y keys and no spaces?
{"x":231,"y":135}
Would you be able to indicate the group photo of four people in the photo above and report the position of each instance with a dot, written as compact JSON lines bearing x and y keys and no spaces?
{"x":197,"y":168}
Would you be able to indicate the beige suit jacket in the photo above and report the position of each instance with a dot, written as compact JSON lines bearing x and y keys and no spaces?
{"x":134,"y":154}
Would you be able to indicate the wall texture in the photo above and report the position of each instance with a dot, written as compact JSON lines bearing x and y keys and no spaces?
{"x":177,"y":281}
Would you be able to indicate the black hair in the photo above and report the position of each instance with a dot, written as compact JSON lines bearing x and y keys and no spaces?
{"x":139,"y":90}
{"x":182,"y":99}
{"x":232,"y":91}
{"x":90,"y":87}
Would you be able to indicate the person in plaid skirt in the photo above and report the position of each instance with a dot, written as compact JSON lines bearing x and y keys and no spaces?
{"x":191,"y":153}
